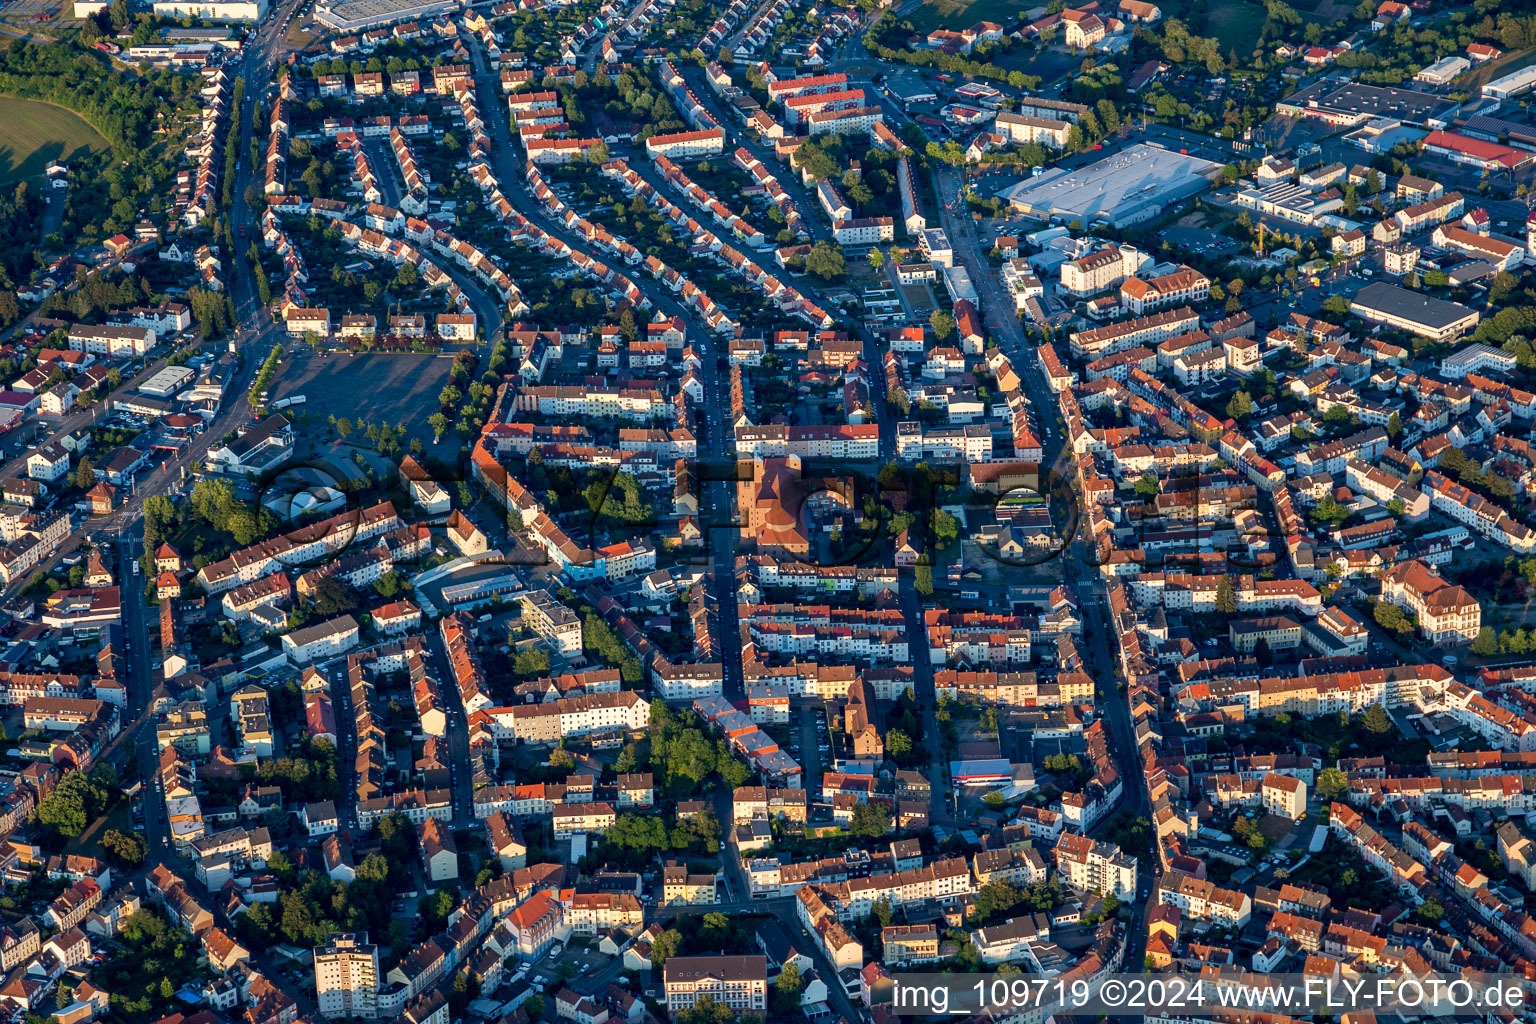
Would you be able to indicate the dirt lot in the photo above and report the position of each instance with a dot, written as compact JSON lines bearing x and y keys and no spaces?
{"x":373,"y":387}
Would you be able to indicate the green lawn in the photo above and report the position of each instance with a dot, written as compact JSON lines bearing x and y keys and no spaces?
{"x":1237,"y":25}
{"x":88,"y":842}
{"x":33,"y":133}
{"x":960,"y":13}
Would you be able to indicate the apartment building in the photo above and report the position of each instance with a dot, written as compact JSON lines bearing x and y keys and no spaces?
{"x":1202,"y":902}
{"x":739,"y":982}
{"x":1012,"y":941}
{"x":1425,"y":215}
{"x":1022,"y":129}
{"x":1182,"y":286}
{"x":551,"y":620}
{"x":537,"y":923}
{"x":1284,"y":795}
{"x":864,"y":230}
{"x":347,"y":976}
{"x":851,"y":441}
{"x":904,"y":945}
{"x":548,"y":722}
{"x":686,"y":145}
{"x":1095,"y":866}
{"x":1145,"y":330}
{"x":781,"y":90}
{"x":1447,"y":614}
{"x":1100,"y":270}
{"x":573,"y":819}
{"x":114,"y":342}
{"x":594,"y":912}
{"x":679,"y":885}
{"x":322,"y":640}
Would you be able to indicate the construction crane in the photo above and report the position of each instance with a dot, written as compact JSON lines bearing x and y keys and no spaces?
{"x":1261,"y":237}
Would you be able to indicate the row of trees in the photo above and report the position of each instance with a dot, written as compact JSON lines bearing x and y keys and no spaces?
{"x":265,"y":375}
{"x":889,"y":29}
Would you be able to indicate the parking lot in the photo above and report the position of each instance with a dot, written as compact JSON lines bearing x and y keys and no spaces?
{"x":1200,"y":241}
{"x":373,"y":387}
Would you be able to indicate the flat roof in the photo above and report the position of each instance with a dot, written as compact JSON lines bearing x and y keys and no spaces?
{"x":1403,"y":304}
{"x":1515,"y":81}
{"x":349,"y":14}
{"x":909,"y":87}
{"x":1405,"y":105}
{"x":1121,"y":188}
{"x":166,"y":380}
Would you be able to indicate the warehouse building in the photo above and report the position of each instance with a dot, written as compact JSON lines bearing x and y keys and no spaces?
{"x":1409,"y":311}
{"x":1354,"y":103}
{"x":353,"y":15}
{"x":1134,"y":185}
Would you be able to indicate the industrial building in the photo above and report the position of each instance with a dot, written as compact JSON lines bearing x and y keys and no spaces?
{"x":1134,"y":185}
{"x":1408,"y":311}
{"x":353,"y":15}
{"x":1511,"y":85}
{"x":213,"y":10}
{"x":1349,"y":104}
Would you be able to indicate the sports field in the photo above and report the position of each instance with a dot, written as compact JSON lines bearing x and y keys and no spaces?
{"x":33,"y":133}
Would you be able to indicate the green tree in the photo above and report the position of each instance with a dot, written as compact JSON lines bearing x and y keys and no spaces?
{"x":1332,"y":783}
{"x":531,"y":664}
{"x":78,"y":800}
{"x":666,"y":946}
{"x":825,"y":260}
{"x":870,"y":820}
{"x":333,"y":598}
{"x":1375,"y":720}
{"x":943,"y":324}
{"x":1487,"y":643}
{"x":1240,"y":406}
{"x":786,"y":994}
{"x":126,"y":847}
{"x":1147,"y":487}
{"x":1226,"y":596}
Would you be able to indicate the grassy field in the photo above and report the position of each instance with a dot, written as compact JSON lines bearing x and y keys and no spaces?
{"x":33,"y":133}
{"x":1486,"y":72}
{"x":1236,"y":25}
{"x":958,"y":14}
